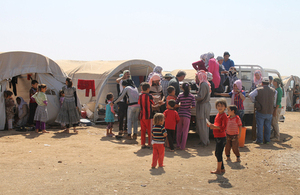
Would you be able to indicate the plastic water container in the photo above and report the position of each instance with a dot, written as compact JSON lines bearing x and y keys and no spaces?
{"x":243,"y":137}
{"x":83,"y":114}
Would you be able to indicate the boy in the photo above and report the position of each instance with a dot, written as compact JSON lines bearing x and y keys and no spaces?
{"x":171,"y":119}
{"x":233,"y":133}
{"x":171,"y":92}
{"x":32,"y":103}
{"x":159,"y":135}
{"x":219,"y":128}
{"x":146,"y":102}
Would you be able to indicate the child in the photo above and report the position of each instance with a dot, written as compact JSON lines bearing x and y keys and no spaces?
{"x":171,"y":119}
{"x":109,"y":114}
{"x":61,"y":97}
{"x":9,"y":108}
{"x":297,"y":105}
{"x":237,"y":97}
{"x":159,"y":135}
{"x":187,"y":102}
{"x":233,"y":133}
{"x":41,"y":113}
{"x":146,"y":102}
{"x":219,"y":128}
{"x":32,"y":103}
{"x":171,"y":92}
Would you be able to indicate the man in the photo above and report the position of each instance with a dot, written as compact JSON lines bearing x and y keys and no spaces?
{"x":122,"y":105}
{"x":271,"y":81}
{"x":165,"y":83}
{"x":264,"y":98}
{"x":227,"y":62}
{"x":175,"y":81}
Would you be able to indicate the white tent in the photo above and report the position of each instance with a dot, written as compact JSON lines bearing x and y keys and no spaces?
{"x":44,"y":70}
{"x":103,"y":74}
{"x":289,"y":84}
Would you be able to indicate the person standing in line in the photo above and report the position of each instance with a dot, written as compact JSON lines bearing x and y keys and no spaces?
{"x":165,"y":83}
{"x":69,"y":114}
{"x":227,"y":62}
{"x":186,"y":101}
{"x":203,"y":107}
{"x":109,"y":114}
{"x":22,"y":112}
{"x":32,"y":104}
{"x":277,"y":83}
{"x":156,"y":70}
{"x":41,"y":113}
{"x":9,"y":108}
{"x":175,"y":81}
{"x":264,"y":98}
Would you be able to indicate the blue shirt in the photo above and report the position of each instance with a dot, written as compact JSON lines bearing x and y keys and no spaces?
{"x":229,"y":63}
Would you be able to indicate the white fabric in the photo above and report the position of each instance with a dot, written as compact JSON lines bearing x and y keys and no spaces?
{"x":20,"y":107}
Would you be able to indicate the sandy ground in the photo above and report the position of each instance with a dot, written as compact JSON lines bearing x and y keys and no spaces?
{"x":90,"y":163}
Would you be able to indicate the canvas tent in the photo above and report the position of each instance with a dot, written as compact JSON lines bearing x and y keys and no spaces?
{"x":289,"y":84}
{"x":100,"y":77}
{"x":44,"y":70}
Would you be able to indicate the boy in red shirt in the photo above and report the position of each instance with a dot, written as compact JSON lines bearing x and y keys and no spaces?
{"x":171,"y":119}
{"x":219,"y":128}
{"x":146,"y":116}
{"x":233,"y":132}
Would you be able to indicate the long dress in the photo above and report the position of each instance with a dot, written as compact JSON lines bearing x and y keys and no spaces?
{"x":68,"y":113}
{"x":203,"y":112}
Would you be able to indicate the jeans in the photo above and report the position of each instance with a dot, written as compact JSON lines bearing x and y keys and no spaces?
{"x":133,"y":117}
{"x":263,"y":127}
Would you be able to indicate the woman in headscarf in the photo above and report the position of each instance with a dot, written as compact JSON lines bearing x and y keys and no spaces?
{"x":237,"y":97}
{"x":213,"y":68}
{"x":222,"y":72}
{"x":203,"y":107}
{"x":200,"y":65}
{"x":257,"y":80}
{"x":22,"y":112}
{"x":230,"y":79}
{"x":156,"y":92}
{"x":156,"y":70}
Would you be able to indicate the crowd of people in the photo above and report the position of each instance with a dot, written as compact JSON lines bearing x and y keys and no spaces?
{"x":164,"y":112}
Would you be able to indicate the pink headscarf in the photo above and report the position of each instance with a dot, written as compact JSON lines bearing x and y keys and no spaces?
{"x":239,"y":85}
{"x":202,"y":77}
{"x":257,"y":82}
{"x":154,"y":77}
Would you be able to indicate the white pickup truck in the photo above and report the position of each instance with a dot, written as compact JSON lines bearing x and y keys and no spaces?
{"x":245,"y":73}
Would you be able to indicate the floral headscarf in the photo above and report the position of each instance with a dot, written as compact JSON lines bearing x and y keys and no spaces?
{"x":202,"y":77}
{"x":154,"y":77}
{"x":259,"y":81}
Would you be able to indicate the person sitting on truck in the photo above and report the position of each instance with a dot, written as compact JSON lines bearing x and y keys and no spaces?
{"x":263,"y":99}
{"x":200,"y":65}
{"x":231,"y":78}
{"x":227,"y":62}
{"x":222,"y":73}
{"x":237,"y":97}
{"x":212,"y":85}
{"x":257,"y":80}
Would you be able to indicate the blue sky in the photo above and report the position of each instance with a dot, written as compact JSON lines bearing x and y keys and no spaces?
{"x":171,"y":34}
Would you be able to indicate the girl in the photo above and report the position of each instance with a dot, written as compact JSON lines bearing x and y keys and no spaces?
{"x":133,"y":111}
{"x":187,"y":102}
{"x":109,"y":114}
{"x":22,"y":112}
{"x":61,"y":97}
{"x":9,"y":108}
{"x":219,"y":128}
{"x":237,"y":97}
{"x":41,"y":113}
{"x":68,"y":114}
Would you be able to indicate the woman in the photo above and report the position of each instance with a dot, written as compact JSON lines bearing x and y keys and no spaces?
{"x":200,"y":65}
{"x":69,"y":113}
{"x":156,"y":70}
{"x":156,"y":92}
{"x":257,"y":80}
{"x":133,"y":110}
{"x":212,"y":85}
{"x":203,"y":107}
{"x":213,"y":68}
{"x":22,"y":112}
{"x":276,"y":114}
{"x":230,"y":79}
{"x":222,"y":73}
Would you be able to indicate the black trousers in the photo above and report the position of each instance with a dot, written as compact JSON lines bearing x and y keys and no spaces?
{"x":121,"y":115}
{"x":171,"y":138}
{"x":32,"y":108}
{"x":220,"y":144}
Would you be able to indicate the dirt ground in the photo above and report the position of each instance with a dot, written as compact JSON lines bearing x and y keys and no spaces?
{"x":90,"y":163}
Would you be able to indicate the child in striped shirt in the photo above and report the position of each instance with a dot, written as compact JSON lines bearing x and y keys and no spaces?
{"x":159,"y":135}
{"x":187,"y":102}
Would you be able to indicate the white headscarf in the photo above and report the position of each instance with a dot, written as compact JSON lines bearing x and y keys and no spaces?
{"x":203,"y":56}
{"x":209,"y":55}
